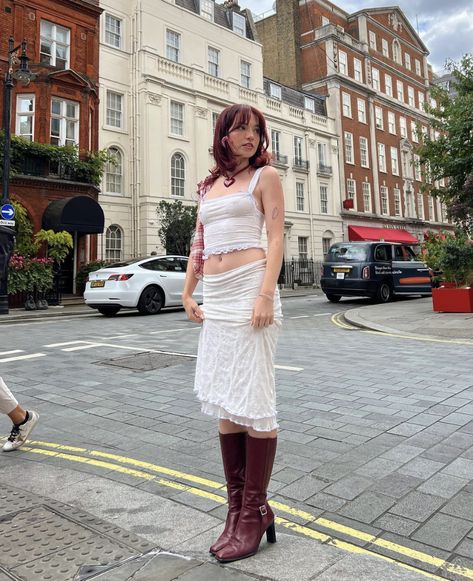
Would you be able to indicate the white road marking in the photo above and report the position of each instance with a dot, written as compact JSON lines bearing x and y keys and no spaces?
{"x":121,"y":336}
{"x":10,"y":352}
{"x":287,"y":368}
{"x":19,"y":357}
{"x":81,"y":347}
{"x":300,"y":317}
{"x":63,"y":344}
{"x":175,"y":330}
{"x":322,"y":315}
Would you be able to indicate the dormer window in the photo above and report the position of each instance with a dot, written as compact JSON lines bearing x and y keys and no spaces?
{"x":239,"y":24}
{"x":275,"y":91}
{"x":309,"y":104}
{"x":207,"y":9}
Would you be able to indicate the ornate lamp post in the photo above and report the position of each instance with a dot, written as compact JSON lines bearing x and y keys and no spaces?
{"x":7,"y":233}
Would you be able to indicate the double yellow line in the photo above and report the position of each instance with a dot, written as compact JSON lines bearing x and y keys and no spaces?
{"x":210,"y":489}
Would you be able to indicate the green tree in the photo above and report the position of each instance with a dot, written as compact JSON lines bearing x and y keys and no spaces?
{"x":59,"y":243}
{"x":177,"y":224}
{"x":448,"y":153}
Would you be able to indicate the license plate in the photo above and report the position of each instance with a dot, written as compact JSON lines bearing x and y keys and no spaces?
{"x":340,"y":269}
{"x":340,"y":275}
{"x":97,"y":283}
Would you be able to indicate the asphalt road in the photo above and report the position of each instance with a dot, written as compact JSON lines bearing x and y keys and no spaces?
{"x":376,"y":432}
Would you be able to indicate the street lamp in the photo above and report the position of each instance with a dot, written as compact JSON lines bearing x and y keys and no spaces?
{"x":7,"y":232}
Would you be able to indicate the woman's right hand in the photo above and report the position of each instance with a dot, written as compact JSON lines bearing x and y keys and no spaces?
{"x":193,"y":311}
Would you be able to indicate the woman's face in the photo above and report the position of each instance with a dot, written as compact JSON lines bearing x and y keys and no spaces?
{"x":244,"y":140}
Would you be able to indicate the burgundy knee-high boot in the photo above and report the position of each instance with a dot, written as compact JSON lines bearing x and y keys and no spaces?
{"x":233,"y":447}
{"x":256,"y":516}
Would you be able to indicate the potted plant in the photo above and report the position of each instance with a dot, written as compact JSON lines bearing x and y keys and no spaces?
{"x":29,"y":275}
{"x":451,"y":255}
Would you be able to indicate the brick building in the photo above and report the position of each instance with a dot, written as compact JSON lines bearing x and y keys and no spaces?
{"x":59,"y":107}
{"x":373,"y":68}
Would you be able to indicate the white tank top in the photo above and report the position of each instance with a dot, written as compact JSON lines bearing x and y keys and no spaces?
{"x":232,"y":222}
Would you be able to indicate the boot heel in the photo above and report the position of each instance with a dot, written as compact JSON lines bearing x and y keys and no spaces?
{"x":271,"y":534}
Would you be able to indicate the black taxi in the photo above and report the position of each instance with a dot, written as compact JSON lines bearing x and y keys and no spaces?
{"x":377,"y":270}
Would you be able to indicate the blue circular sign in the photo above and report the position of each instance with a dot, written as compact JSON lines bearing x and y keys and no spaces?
{"x":7,"y":211}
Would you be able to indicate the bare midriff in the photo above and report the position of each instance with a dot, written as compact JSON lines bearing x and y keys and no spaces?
{"x":218,"y":263}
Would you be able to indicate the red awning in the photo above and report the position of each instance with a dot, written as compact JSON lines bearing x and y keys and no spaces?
{"x":385,"y":234}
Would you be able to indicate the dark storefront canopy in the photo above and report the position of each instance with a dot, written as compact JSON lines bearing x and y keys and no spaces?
{"x":80,"y":214}
{"x":385,"y":234}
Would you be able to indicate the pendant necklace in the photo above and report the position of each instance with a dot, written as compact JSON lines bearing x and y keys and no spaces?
{"x":230,"y":180}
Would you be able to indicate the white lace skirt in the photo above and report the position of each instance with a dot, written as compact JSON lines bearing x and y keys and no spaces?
{"x":234,"y":377}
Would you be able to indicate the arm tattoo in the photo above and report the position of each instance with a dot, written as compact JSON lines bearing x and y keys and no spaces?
{"x":275,"y":213}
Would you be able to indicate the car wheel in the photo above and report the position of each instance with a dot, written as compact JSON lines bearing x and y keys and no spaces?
{"x":384,"y":293}
{"x":108,"y":311}
{"x":151,"y":301}
{"x":333,"y":298}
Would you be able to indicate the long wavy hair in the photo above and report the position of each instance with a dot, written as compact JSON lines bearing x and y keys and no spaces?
{"x":228,"y":120}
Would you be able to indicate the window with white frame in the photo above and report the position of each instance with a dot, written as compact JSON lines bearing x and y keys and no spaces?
{"x":400,"y":91}
{"x":302,"y":243}
{"x":421,"y":98}
{"x":397,"y":201}
{"x":322,"y":153}
{"x":298,"y":149}
{"x":417,"y":170}
{"x":326,"y":243}
{"x":414,"y":132}
{"x":64,"y":122}
{"x":207,"y":9}
{"x":407,"y":170}
{"x":425,"y":132}
{"x":55,"y":45}
{"x":351,"y":190}
{"x":366,"y":189}
{"x":397,"y":51}
{"x":418,"y":69}
{"x":407,"y":61}
{"x":364,"y":162}
{"x":113,"y":31}
{"x":177,"y":118}
{"x":342,"y":62}
{"x":173,"y":45}
{"x":431,"y":209}
{"x":245,"y":74}
{"x":114,"y":112}
{"x":378,"y":114}
{"x":349,"y":158}
{"x":391,"y":122}
{"x":346,"y":104}
{"x":276,"y":143}
{"x":384,"y":200}
{"x":375,"y":78}
{"x":309,"y":104}
{"x":402,"y":127}
{"x":25,"y":109}
{"x":214,"y":120}
{"x":300,"y":197}
{"x":323,"y":199}
{"x":394,"y":161}
{"x":388,"y":85}
{"x":213,"y":61}
{"x":325,"y":21}
{"x":357,"y":70}
{"x":381,"y":157}
{"x":409,"y":203}
{"x":361,"y":107}
{"x":275,"y":91}
{"x":114,"y":243}
{"x":114,"y":172}
{"x":420,"y":206}
{"x":239,"y":24}
{"x":410,"y":96}
{"x":372,"y":39}
{"x":385,"y":47}
{"x":178,"y":175}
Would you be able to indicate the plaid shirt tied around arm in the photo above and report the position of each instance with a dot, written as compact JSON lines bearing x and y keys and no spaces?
{"x":197,"y":248}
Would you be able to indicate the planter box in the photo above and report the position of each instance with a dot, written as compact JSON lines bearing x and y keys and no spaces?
{"x":452,"y":300}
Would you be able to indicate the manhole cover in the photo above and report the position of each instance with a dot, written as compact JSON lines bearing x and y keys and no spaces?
{"x":148,"y":361}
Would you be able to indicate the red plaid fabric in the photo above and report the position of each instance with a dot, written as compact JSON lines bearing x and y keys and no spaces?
{"x":197,"y":248}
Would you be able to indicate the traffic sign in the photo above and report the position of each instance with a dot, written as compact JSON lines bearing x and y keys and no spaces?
{"x":7,"y":212}
{"x":10,"y":223}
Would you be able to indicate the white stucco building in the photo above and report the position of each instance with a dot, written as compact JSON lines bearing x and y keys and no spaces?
{"x":168,"y":67}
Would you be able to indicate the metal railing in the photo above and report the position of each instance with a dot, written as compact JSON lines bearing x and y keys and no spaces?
{"x":300,"y":163}
{"x":324,"y":169}
{"x":300,"y":272}
{"x":279,"y":159}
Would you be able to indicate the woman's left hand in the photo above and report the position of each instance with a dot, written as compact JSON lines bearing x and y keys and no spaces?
{"x":263,"y":312}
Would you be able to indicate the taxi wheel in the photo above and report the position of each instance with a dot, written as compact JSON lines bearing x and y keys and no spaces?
{"x":384,"y":293}
{"x":333,"y":298}
{"x":151,"y":301}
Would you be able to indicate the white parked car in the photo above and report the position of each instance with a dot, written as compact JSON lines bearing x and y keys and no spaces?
{"x":147,"y":284}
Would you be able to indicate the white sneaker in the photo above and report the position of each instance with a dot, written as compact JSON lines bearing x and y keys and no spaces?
{"x":19,"y":434}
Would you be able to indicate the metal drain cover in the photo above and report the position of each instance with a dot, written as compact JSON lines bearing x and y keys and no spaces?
{"x":148,"y":361}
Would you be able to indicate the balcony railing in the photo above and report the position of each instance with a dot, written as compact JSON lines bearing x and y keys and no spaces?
{"x":280,"y":160}
{"x":324,"y":170}
{"x":301,"y":164}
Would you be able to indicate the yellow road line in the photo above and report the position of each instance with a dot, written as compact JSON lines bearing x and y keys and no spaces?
{"x":303,"y":515}
{"x":335,"y":318}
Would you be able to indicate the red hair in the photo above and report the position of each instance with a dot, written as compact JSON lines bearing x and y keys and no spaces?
{"x":228,"y":120}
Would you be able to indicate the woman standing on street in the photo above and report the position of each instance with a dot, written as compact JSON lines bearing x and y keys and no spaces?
{"x":23,"y":421}
{"x":241,"y":317}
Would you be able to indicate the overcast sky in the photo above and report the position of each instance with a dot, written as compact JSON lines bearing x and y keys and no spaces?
{"x":446,"y":27}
